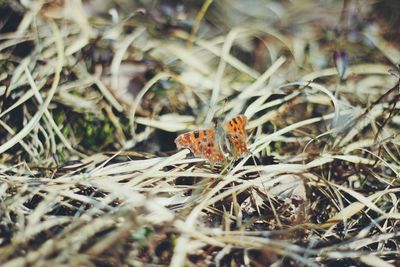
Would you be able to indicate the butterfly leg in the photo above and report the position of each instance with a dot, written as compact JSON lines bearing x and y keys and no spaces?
{"x":227,"y":165}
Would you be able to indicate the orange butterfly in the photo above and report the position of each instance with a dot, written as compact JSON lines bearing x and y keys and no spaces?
{"x":214,"y":145}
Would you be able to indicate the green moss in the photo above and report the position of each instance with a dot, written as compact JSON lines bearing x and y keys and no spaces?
{"x":92,"y":133}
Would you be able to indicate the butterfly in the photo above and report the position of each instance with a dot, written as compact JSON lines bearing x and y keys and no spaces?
{"x":215,"y":144}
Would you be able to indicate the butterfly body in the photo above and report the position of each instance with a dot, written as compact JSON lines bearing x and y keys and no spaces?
{"x":216,"y":145}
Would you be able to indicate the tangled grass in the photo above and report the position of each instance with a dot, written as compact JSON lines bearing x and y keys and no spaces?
{"x":93,"y":94}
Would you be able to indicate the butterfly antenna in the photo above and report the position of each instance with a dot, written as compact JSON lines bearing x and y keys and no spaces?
{"x":219,"y":112}
{"x":224,"y":105}
{"x":222,"y":110}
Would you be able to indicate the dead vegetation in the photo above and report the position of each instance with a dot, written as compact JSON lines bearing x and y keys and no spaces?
{"x":93,"y":94}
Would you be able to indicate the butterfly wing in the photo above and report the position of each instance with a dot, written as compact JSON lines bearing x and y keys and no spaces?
{"x":202,"y":144}
{"x":237,"y":136}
